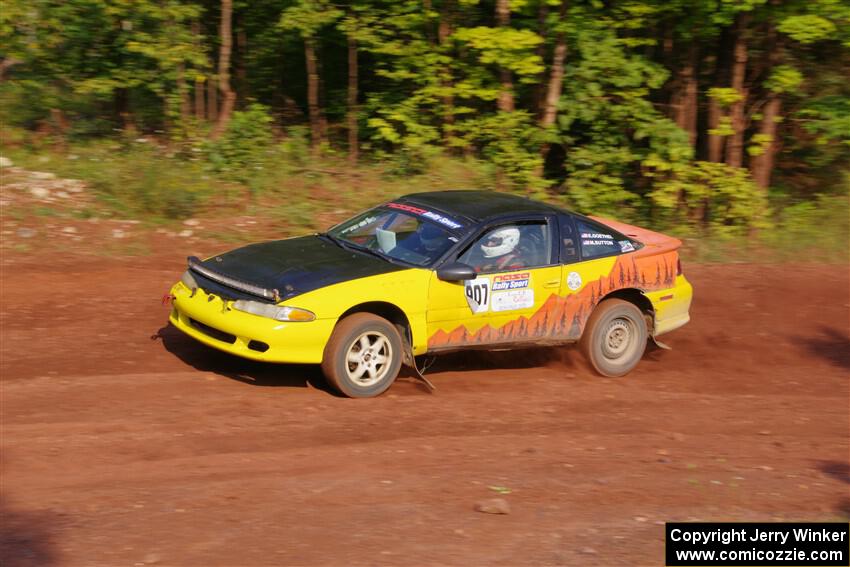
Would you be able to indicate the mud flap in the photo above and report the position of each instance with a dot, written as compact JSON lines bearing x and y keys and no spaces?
{"x":410,"y":360}
{"x":661,"y":345}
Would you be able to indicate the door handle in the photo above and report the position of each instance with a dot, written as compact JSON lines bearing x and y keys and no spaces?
{"x":552,"y":283}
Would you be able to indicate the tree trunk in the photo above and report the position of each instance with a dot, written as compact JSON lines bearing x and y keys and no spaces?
{"x":185,"y":111}
{"x":200,"y":101}
{"x":761,"y":166}
{"x":556,"y":83}
{"x":122,"y":109}
{"x":228,"y":97}
{"x":313,"y":107}
{"x":540,"y":89}
{"x":60,"y":128}
{"x":506,"y":96}
{"x":353,"y":145}
{"x":212,"y":100}
{"x":242,"y":93}
{"x":556,"y":77}
{"x":429,"y":28}
{"x":685,"y":101}
{"x":735,"y":147}
{"x":716,"y":143}
{"x":444,"y":30}
{"x":200,"y":107}
{"x":6,"y":64}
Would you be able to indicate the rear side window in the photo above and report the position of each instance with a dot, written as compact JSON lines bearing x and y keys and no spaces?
{"x":598,"y":241}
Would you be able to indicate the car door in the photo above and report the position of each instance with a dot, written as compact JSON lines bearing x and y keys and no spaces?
{"x":589,"y":252}
{"x":502,"y":305}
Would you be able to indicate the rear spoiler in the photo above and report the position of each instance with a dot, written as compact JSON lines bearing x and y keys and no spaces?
{"x":654,"y":242}
{"x":196,"y":265}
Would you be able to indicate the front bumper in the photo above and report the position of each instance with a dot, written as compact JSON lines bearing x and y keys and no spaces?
{"x":210,"y":319}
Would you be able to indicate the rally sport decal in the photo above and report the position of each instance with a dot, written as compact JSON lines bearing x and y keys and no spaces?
{"x":507,"y":292}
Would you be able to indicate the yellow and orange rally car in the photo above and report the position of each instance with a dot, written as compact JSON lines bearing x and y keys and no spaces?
{"x":435,"y":272}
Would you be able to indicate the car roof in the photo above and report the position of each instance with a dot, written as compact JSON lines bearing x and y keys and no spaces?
{"x":477,"y":205}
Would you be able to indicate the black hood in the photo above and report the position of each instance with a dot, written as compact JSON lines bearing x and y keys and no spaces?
{"x":292,"y":266}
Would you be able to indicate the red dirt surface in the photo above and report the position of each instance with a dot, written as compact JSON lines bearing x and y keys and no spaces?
{"x":122,"y":449}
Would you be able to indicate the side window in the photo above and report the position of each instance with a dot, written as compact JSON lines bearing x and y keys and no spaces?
{"x":511,"y":247}
{"x":569,"y":241}
{"x":596,"y":241}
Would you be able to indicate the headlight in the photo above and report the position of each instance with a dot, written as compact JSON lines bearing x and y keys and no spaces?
{"x":188,"y":280}
{"x":276,"y":312}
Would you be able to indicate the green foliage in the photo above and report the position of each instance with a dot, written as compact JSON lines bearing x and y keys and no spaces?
{"x":815,"y":230}
{"x":723,"y":196}
{"x":807,"y":28}
{"x":510,"y":141}
{"x":617,"y":141}
{"x":784,"y":79}
{"x":508,"y":48}
{"x":759,"y":144}
{"x":243,"y":148}
{"x":95,"y":49}
{"x":136,"y":181}
{"x":308,"y":17}
{"x":725,"y":96}
{"x":829,"y":119}
{"x":430,"y":80}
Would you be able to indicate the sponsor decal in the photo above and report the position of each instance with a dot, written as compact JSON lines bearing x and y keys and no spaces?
{"x":574,"y":281}
{"x":626,"y":246}
{"x":513,"y":299}
{"x":361,"y":224}
{"x":436,"y":217}
{"x":477,"y":294}
{"x":511,"y":281}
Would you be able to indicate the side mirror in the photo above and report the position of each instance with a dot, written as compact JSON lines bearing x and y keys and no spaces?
{"x":456,"y":272}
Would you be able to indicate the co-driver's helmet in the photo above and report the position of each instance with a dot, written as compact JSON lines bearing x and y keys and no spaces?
{"x":431,"y":236}
{"x":500,"y":242}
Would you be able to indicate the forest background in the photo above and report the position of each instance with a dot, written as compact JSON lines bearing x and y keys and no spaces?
{"x":724,"y":122}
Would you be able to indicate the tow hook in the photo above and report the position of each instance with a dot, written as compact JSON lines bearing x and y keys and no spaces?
{"x":168,"y":299}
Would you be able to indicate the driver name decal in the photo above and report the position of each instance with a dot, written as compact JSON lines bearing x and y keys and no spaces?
{"x":477,"y":294}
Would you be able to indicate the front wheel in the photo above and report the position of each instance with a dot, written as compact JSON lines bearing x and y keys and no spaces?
{"x":615,"y":337}
{"x":363,"y":356}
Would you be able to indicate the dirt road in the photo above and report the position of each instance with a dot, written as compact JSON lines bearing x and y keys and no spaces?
{"x":119,"y":449}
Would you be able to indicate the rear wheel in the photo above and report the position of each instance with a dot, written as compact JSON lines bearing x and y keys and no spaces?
{"x":615,"y":337}
{"x":363,"y":356}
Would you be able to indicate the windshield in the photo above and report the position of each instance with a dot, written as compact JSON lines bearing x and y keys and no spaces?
{"x":396,"y":234}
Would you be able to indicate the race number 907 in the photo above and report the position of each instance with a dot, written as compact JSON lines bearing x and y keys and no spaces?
{"x":478,"y":294}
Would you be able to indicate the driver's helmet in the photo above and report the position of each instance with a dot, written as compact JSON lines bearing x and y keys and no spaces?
{"x":431,"y":236}
{"x":500,"y":242}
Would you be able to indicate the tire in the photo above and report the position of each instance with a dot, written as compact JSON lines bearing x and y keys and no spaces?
{"x":366,"y":375}
{"x":615,"y":337}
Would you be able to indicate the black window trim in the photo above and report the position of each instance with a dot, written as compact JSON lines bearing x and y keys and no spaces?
{"x":570,"y":218}
{"x":547,"y":218}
